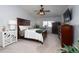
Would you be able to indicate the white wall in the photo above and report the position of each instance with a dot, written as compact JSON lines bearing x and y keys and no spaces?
{"x":40,"y":20}
{"x":75,"y":21}
{"x":11,"y":12}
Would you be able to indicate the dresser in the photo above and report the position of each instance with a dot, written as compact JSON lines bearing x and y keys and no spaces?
{"x":7,"y":38}
{"x":55,"y":27}
{"x":66,"y":35}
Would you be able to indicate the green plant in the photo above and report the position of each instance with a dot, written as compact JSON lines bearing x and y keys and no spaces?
{"x":69,"y":49}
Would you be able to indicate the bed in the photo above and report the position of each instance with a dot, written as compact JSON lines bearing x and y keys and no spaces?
{"x":31,"y":34}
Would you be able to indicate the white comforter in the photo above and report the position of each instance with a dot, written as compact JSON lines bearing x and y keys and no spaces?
{"x":31,"y":33}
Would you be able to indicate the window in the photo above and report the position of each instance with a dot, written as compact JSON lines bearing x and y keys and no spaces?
{"x":44,"y":23}
{"x":47,"y":23}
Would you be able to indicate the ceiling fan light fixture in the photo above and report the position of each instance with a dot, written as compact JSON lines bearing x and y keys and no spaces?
{"x":42,"y":13}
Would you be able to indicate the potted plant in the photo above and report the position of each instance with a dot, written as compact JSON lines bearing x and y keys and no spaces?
{"x":69,"y":49}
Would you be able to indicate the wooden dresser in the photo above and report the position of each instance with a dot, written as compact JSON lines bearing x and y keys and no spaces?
{"x":55,"y":27}
{"x":66,"y":34}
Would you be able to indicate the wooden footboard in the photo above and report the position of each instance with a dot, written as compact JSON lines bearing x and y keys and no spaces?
{"x":44,"y":34}
{"x":44,"y":37}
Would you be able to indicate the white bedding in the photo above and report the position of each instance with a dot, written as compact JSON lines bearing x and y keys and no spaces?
{"x":31,"y":33}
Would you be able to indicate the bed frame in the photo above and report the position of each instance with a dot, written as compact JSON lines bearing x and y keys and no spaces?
{"x":21,"y":22}
{"x":24,"y":22}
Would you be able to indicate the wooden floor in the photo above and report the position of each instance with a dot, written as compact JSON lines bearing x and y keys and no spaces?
{"x":51,"y":45}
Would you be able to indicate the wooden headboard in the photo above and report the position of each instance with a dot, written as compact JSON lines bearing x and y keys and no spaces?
{"x":21,"y":22}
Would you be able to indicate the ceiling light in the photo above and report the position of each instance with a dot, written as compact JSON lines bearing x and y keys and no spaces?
{"x":41,"y":13}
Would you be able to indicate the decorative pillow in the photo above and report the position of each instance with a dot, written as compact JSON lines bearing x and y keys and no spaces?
{"x":2,"y":28}
{"x":39,"y":31}
{"x":23,"y":27}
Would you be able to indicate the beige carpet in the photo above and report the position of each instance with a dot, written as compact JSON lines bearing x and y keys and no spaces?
{"x":51,"y":45}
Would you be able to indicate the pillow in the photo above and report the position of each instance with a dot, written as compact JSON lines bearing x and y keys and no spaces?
{"x":2,"y":28}
{"x":12,"y":27}
{"x":39,"y":31}
{"x":23,"y":27}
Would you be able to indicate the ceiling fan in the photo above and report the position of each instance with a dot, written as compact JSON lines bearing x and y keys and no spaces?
{"x":41,"y":11}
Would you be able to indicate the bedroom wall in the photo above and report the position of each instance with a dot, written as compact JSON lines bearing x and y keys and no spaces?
{"x":11,"y":12}
{"x":39,"y":21}
{"x":75,"y":21}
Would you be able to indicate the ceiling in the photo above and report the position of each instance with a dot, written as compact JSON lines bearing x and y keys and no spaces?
{"x":55,"y":10}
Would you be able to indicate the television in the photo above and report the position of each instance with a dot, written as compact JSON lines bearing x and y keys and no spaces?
{"x":67,"y":15}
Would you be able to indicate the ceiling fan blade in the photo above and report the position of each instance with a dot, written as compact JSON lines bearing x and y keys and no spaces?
{"x":35,"y":10}
{"x":46,"y":10}
{"x":41,"y":11}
